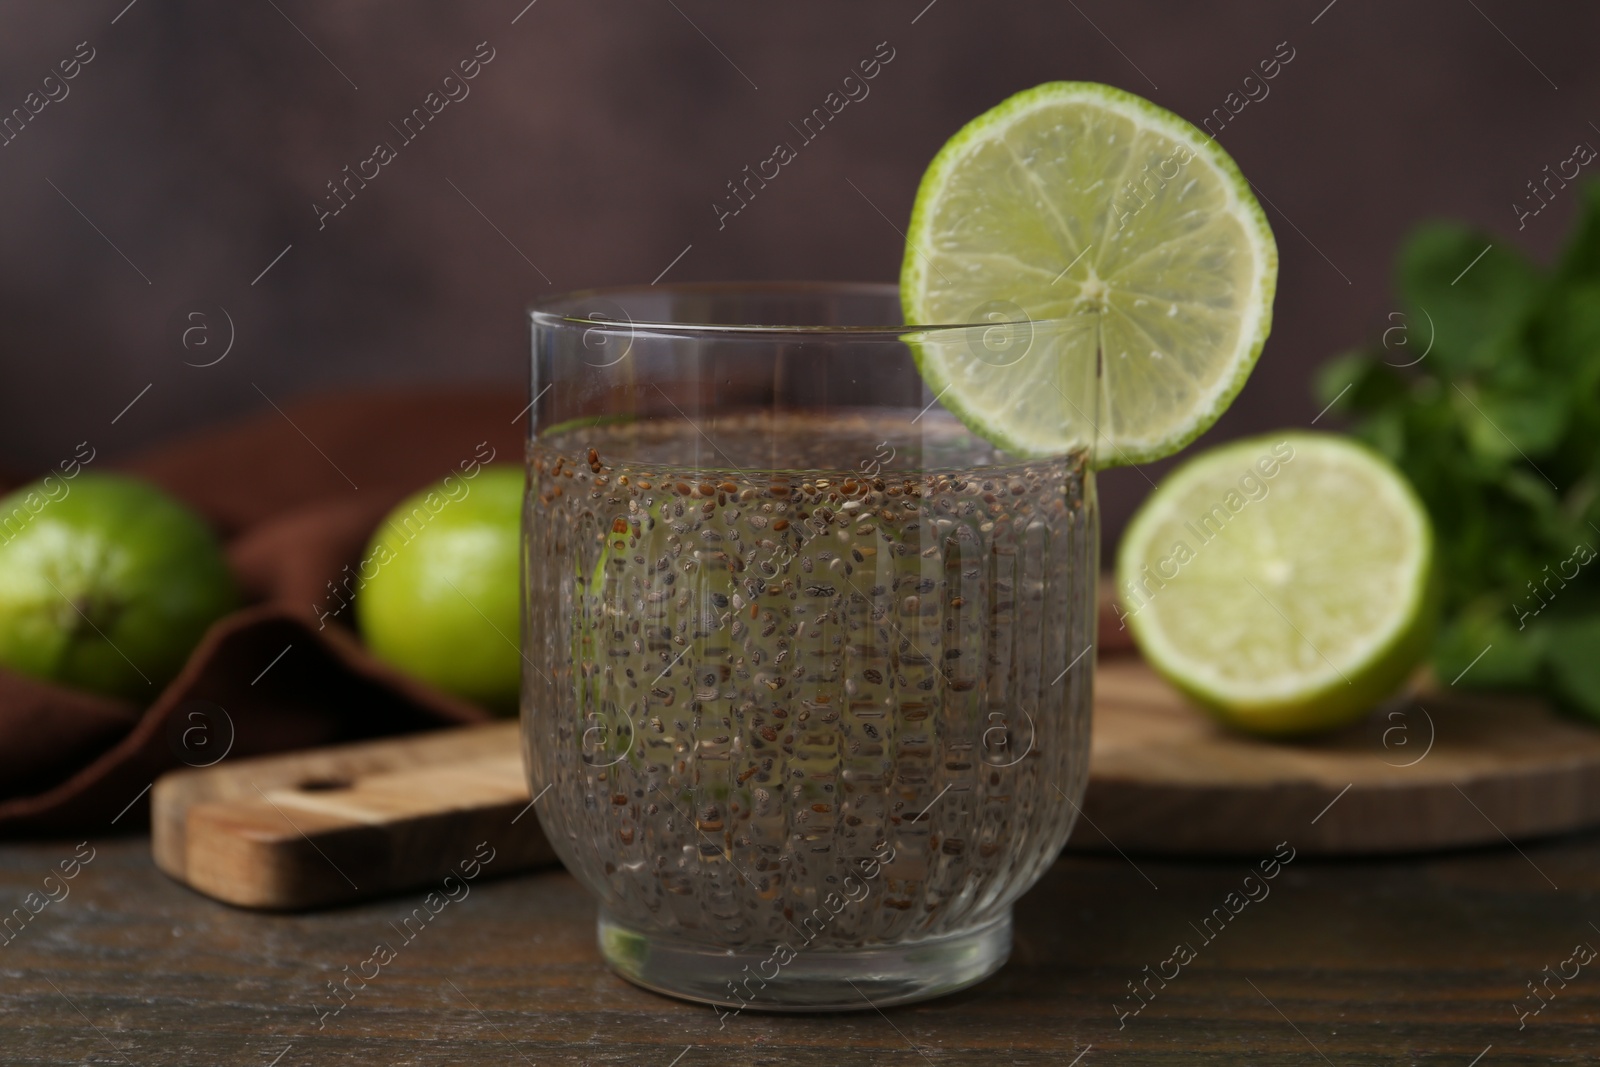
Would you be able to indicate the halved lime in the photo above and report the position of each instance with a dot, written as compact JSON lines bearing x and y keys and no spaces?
{"x":1127,"y":238}
{"x":1285,"y":582}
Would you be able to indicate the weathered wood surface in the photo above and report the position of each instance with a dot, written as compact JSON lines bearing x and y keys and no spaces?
{"x":1373,"y":961}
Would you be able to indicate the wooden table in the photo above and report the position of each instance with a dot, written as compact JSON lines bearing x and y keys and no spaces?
{"x":1353,"y":962}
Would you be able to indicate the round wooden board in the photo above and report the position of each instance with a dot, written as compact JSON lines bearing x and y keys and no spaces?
{"x":1443,"y":770}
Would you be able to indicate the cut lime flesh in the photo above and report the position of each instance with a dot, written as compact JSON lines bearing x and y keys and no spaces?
{"x":1130,"y":244}
{"x":1285,"y":581}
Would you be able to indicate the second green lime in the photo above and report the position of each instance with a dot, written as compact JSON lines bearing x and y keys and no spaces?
{"x":445,"y":602}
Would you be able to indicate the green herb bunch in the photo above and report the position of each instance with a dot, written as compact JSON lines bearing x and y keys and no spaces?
{"x":1485,"y":391}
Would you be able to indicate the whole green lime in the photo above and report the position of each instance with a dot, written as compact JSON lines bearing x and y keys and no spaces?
{"x":443,"y":602}
{"x":106,"y":583}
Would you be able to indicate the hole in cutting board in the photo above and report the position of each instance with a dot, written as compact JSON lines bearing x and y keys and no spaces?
{"x":324,"y":785}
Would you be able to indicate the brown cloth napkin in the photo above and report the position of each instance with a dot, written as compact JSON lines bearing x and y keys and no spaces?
{"x":294,"y":495}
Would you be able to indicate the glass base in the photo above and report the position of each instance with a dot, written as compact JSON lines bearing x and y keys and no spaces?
{"x":801,"y":979}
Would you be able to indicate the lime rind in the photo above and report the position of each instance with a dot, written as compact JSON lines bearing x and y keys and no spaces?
{"x":1356,"y":674}
{"x":1089,"y":413}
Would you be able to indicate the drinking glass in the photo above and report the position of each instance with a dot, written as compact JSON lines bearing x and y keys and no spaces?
{"x":806,"y":702}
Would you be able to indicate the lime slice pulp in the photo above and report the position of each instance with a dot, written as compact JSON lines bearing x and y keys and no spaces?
{"x":1130,"y":243}
{"x":1285,"y":582}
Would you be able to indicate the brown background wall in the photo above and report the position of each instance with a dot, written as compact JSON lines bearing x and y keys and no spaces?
{"x":597,"y":139}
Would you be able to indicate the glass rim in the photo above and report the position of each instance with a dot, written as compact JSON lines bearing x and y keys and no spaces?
{"x":542,"y":311}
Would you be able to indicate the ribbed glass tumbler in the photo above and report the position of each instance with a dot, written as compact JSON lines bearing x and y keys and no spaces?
{"x":806,"y":704}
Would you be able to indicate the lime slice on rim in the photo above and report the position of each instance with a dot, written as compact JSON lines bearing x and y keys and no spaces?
{"x":1127,"y":227}
{"x":1285,"y":582}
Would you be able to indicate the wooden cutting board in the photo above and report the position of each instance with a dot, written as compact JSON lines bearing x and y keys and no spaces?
{"x":1444,"y":769}
{"x":332,"y":825}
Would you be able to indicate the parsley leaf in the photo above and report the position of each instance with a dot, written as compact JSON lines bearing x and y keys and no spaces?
{"x":1485,"y":391}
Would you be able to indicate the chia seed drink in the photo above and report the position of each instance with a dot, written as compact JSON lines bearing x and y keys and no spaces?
{"x":803,"y":681}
